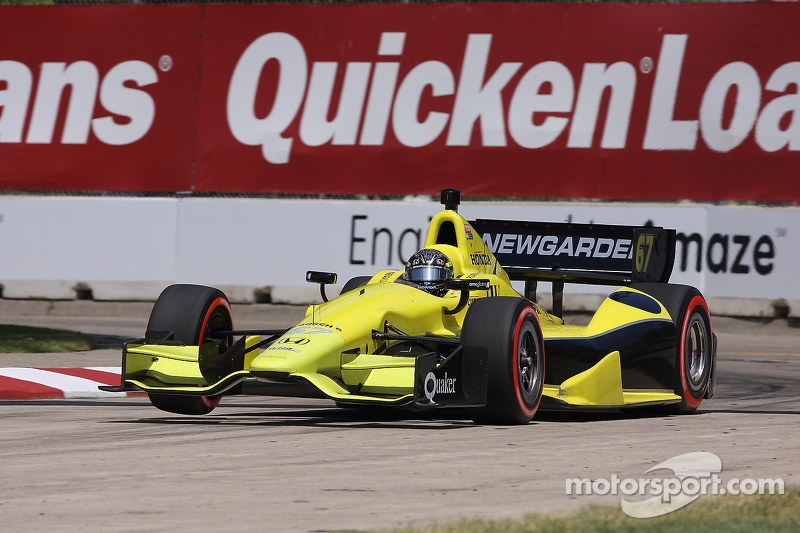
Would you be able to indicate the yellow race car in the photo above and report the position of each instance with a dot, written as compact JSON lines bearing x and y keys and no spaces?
{"x":450,"y":330}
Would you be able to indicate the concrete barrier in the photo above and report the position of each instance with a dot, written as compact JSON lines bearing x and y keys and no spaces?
{"x":257,"y":250}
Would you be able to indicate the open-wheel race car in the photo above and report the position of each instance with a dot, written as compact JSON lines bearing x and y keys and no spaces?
{"x":450,"y":330}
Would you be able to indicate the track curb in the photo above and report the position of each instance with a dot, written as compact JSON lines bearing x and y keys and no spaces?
{"x":19,"y":383}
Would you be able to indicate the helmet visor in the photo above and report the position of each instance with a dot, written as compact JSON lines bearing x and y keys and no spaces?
{"x":427,"y":273}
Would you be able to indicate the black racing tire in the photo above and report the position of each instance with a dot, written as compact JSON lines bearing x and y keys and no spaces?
{"x":695,"y":346}
{"x":190,"y":312}
{"x":356,"y":282}
{"x":184,"y":405}
{"x":509,"y":329}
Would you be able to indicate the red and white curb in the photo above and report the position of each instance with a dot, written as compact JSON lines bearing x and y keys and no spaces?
{"x":49,"y":383}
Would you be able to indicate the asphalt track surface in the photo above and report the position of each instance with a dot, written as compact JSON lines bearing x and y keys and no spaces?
{"x":277,"y":464}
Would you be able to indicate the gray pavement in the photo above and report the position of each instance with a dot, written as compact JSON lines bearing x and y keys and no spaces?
{"x":282,"y":464}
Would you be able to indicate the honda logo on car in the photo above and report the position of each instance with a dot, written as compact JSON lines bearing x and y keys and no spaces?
{"x":434,"y":386}
{"x":373,"y":98}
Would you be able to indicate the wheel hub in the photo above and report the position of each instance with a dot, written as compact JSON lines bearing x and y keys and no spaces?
{"x":696,"y":351}
{"x":527,"y":364}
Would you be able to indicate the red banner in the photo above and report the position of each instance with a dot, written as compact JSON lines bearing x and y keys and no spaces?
{"x":99,"y":98}
{"x":625,"y":101}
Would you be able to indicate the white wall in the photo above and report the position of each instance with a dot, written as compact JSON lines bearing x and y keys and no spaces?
{"x":131,"y":248}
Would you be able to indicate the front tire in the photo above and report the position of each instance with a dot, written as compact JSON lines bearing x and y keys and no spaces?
{"x":694,"y":353}
{"x":191,"y":313}
{"x":509,"y":329}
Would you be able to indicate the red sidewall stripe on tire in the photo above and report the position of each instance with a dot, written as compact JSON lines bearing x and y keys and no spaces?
{"x":524,"y":314}
{"x":213,"y":307}
{"x":212,"y":401}
{"x":690,"y":400}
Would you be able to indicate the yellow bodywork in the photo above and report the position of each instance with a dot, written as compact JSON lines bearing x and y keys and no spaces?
{"x":332,"y":348}
{"x":601,"y":386}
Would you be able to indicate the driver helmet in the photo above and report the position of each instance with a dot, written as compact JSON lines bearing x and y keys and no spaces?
{"x":429,"y":268}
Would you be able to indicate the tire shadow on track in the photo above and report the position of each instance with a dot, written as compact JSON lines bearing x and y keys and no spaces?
{"x":611,"y":414}
{"x":309,"y":422}
{"x":303,"y":416}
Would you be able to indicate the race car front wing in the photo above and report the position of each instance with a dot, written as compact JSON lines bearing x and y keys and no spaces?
{"x":169,"y":367}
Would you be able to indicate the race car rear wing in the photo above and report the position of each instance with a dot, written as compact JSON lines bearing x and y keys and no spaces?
{"x":579,"y":253}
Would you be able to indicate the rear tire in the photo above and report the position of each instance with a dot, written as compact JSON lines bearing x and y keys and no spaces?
{"x":693,"y":357}
{"x":190,"y":312}
{"x":509,"y":329}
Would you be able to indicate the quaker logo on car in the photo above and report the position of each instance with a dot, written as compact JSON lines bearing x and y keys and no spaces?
{"x":434,"y":386}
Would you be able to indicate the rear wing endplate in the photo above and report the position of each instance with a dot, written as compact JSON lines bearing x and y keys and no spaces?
{"x":579,"y":253}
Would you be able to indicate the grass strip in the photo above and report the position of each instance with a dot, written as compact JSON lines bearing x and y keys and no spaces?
{"x":711,"y":514}
{"x":24,"y":339}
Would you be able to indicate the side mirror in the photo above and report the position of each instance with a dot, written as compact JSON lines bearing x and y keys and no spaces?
{"x":465,"y":285}
{"x":323,"y":278}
